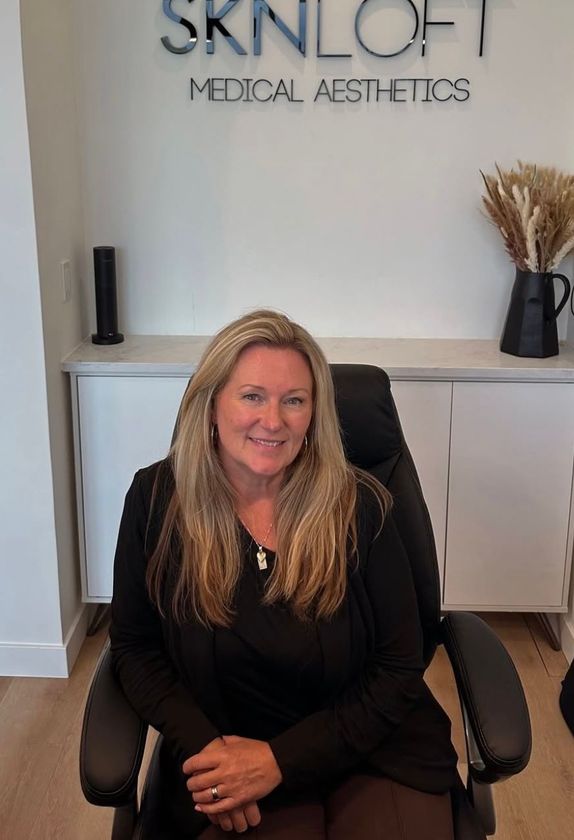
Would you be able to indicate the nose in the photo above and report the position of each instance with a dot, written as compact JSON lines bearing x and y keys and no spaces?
{"x":271,"y":418}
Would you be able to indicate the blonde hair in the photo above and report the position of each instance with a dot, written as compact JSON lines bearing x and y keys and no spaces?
{"x":315,"y":513}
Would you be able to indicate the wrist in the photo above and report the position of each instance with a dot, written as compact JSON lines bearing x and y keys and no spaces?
{"x":277,"y":775}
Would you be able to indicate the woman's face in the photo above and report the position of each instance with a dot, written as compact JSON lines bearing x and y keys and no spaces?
{"x":262,"y":414}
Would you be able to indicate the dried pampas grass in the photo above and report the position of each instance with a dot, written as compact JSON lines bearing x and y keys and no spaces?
{"x":533,"y":208}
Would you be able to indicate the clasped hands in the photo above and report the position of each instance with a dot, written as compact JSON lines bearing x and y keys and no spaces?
{"x":244,"y":771}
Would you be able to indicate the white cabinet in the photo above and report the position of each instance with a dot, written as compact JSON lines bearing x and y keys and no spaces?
{"x":424,"y":409}
{"x":122,"y":424}
{"x":510,"y":487}
{"x":495,"y":460}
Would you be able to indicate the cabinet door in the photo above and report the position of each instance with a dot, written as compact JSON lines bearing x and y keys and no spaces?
{"x":125,"y":423}
{"x":424,"y":411}
{"x":509,"y":495}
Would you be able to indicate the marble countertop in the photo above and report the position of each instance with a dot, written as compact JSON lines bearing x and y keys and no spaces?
{"x":402,"y":358}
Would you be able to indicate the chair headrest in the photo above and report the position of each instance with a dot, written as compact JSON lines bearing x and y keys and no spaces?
{"x":370,"y":426}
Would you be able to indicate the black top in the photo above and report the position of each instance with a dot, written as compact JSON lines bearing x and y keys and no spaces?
{"x":330,"y":697}
{"x":267,"y":660}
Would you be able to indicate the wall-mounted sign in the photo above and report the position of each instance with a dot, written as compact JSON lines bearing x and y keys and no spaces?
{"x":332,"y":90}
{"x":261,"y":15}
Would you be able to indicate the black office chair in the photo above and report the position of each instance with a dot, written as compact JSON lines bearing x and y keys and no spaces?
{"x":495,"y":715}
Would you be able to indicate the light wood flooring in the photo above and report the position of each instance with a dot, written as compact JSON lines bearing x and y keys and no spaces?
{"x":40,"y":724}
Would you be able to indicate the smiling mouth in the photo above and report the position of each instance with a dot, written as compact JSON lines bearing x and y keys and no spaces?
{"x":270,"y":444}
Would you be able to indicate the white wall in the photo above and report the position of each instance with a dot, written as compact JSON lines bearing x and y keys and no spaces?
{"x":358,"y":219}
{"x":42,"y":620}
{"x":50,"y":100}
{"x":29,"y":597}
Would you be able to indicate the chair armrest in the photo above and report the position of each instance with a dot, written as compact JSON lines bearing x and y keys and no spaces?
{"x":112,"y":743}
{"x":491,"y":696}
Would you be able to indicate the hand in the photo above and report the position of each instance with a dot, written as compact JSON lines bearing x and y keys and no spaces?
{"x":243,"y":769}
{"x":238,"y":819}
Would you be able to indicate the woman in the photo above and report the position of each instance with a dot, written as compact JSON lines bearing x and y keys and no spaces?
{"x":264,"y":618}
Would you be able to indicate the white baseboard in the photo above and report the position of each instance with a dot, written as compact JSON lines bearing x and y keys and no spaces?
{"x":567,"y":637}
{"x":33,"y":660}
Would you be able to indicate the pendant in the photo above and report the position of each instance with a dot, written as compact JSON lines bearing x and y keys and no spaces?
{"x":261,"y":559}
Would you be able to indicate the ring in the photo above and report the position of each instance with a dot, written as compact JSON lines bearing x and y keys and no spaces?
{"x":215,"y":794}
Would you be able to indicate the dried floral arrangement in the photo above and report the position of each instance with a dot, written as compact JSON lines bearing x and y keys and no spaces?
{"x":533,"y":208}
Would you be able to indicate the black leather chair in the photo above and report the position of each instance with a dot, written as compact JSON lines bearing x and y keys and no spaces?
{"x":495,"y":714}
{"x":567,"y":697}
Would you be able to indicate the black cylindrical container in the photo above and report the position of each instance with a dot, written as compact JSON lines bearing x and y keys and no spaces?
{"x":106,"y":298}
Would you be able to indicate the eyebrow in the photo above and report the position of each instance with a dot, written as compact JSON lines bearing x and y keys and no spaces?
{"x":261,"y":388}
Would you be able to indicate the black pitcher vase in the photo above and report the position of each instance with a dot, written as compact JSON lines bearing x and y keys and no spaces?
{"x":530,"y":327}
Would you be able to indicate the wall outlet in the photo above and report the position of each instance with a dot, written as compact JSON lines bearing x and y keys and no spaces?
{"x":66,"y":274}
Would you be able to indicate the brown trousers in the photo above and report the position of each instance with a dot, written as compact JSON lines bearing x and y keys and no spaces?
{"x":361,"y":808}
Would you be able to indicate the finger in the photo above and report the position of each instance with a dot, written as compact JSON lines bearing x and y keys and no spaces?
{"x":252,"y":814}
{"x":201,"y":762}
{"x":227,"y":804}
{"x":206,"y":796}
{"x":238,"y":820}
{"x":225,"y":822}
{"x":205,"y":781}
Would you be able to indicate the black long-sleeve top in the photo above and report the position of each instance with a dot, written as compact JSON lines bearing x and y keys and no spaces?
{"x":330,"y":697}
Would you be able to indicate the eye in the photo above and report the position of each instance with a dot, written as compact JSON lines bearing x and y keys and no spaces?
{"x":251,"y":397}
{"x":294,"y":401}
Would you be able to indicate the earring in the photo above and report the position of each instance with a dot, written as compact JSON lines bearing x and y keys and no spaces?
{"x":214,"y":435}
{"x":306,"y":442}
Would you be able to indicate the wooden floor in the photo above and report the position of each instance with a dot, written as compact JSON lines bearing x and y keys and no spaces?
{"x":40,"y":723}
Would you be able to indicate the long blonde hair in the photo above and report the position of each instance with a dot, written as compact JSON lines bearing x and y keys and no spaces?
{"x":315,"y":513}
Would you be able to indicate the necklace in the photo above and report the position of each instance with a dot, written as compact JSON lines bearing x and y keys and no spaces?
{"x":261,"y":553}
